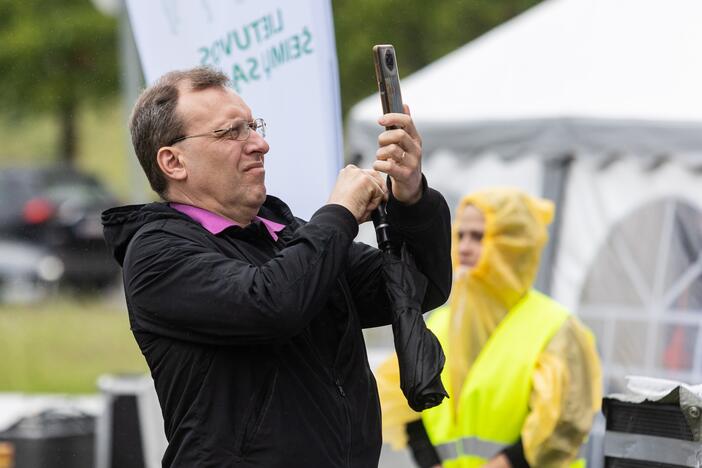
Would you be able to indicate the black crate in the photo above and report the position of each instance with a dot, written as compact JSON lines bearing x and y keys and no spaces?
{"x":622,"y":463}
{"x":53,"y":440}
{"x":656,"y":419}
{"x":647,"y":418}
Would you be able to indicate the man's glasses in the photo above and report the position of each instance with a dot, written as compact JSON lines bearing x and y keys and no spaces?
{"x":238,"y":131}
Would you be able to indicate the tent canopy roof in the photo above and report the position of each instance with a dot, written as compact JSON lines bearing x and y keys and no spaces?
{"x":566,"y":76}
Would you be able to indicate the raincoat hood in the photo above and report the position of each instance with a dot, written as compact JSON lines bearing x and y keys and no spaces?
{"x":515,"y":233}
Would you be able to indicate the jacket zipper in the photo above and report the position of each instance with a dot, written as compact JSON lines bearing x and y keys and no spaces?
{"x":331,"y":373}
{"x":350,"y":314}
{"x":340,"y":388}
{"x":347,"y":412}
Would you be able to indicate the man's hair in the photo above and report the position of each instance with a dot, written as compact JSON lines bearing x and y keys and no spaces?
{"x":154,"y":122}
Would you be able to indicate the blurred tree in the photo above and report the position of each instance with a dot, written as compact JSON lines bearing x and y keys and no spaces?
{"x":55,"y":56}
{"x":421,"y":32}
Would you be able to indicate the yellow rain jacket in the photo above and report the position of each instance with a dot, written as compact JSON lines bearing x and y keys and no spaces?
{"x":562,"y":388}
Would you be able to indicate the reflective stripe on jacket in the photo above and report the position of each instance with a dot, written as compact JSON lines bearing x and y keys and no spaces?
{"x":494,"y":399}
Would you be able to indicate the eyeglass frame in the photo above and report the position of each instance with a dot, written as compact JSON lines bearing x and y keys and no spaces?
{"x":254,"y":125}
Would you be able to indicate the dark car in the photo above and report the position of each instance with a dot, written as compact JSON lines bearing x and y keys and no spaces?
{"x":28,"y":272}
{"x":59,"y":210}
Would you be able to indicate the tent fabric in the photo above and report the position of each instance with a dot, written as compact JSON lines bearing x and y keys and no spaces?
{"x":556,"y":137}
{"x":598,"y":200}
{"x":629,"y":264}
{"x":565,"y":77}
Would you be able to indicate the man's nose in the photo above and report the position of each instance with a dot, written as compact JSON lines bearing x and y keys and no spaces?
{"x":256,"y":143}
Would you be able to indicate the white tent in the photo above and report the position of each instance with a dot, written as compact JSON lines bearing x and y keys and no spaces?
{"x":596,"y":104}
{"x":569,"y":75}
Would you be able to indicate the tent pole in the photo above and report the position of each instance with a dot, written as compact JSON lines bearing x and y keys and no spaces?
{"x":556,"y":172}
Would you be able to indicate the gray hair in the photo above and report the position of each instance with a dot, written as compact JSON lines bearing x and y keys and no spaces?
{"x":154,"y":122}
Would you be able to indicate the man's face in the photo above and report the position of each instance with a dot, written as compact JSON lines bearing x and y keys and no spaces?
{"x":221,"y":171}
{"x":471,"y":229}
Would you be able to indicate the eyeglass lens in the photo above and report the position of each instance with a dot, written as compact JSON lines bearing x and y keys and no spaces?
{"x":242,"y":130}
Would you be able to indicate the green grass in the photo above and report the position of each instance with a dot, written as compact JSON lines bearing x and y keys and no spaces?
{"x":62,"y":346}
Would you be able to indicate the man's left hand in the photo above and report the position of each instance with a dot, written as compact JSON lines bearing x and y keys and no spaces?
{"x":400,"y":156}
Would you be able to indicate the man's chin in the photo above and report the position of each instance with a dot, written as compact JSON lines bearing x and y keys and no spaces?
{"x":261,"y":196}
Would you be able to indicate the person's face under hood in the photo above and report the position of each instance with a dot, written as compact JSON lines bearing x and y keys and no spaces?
{"x":470,"y":228}
{"x":498,"y":235}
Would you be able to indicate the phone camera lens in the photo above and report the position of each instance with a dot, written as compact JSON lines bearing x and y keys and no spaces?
{"x":389,"y":60}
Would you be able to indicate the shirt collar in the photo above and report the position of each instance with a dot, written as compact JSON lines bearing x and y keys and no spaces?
{"x":215,"y":223}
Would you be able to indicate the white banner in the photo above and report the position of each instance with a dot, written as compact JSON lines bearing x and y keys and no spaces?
{"x":281,"y":57}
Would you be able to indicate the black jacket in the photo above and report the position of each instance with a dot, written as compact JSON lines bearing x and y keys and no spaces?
{"x":255,"y":346}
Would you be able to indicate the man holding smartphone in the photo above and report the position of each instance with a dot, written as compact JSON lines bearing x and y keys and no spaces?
{"x":249,"y":318}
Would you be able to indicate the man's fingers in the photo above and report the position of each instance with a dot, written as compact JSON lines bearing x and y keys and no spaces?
{"x":402,"y":121}
{"x":380,"y":188}
{"x":382,"y":192}
{"x":372,"y":205}
{"x":398,"y":137}
{"x":393,"y":151}
{"x":378,"y":194}
{"x":400,"y":155}
{"x":393,"y":169}
{"x":358,"y":190}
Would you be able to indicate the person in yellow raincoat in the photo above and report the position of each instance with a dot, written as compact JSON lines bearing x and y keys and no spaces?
{"x":522,"y":373}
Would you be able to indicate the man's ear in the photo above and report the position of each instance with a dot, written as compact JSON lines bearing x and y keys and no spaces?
{"x":170,"y":160}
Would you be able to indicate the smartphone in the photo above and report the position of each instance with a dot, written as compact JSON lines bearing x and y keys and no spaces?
{"x":388,"y":79}
{"x":389,"y":86}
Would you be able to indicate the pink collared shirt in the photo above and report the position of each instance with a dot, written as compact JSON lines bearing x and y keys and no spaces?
{"x":216,"y":223}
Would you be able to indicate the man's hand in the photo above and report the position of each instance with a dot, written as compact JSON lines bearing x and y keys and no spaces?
{"x":400,"y":156}
{"x":359,"y":190}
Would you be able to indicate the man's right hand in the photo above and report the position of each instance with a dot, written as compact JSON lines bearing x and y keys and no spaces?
{"x":359,"y":190}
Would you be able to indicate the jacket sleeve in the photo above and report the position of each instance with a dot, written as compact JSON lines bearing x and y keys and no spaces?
{"x":186,"y":290}
{"x":565,"y":396}
{"x":425,"y":227}
{"x":423,"y":451}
